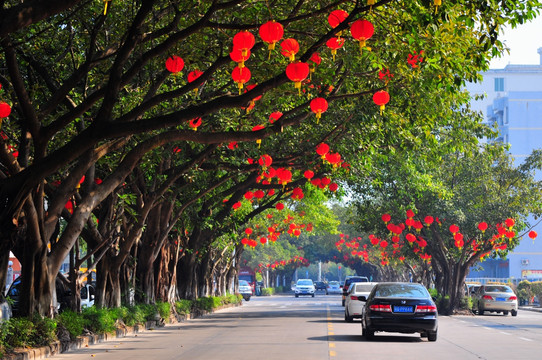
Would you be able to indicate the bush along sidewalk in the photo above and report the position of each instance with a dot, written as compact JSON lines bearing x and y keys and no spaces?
{"x":69,"y":329}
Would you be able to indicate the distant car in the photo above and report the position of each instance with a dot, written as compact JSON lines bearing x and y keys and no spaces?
{"x":88,"y":293}
{"x":495,"y":298}
{"x":471,"y":289}
{"x":399,"y":307}
{"x":304,"y":287}
{"x":353,"y":307}
{"x":334,"y":287}
{"x":320,"y":285}
{"x":348,"y":281}
{"x":245,"y":289}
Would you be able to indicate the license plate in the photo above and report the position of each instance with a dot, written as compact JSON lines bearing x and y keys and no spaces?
{"x":500,"y":299}
{"x":402,"y":309}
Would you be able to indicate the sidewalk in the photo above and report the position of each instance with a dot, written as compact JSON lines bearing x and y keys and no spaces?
{"x":531,"y":308}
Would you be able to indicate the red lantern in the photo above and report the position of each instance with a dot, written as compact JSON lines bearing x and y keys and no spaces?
{"x":333,"y":187}
{"x":533,"y":234}
{"x":249,"y":195}
{"x":318,"y":106}
{"x":258,"y":128}
{"x":362,"y":30}
{"x":297,"y":72}
{"x":279,"y":206}
{"x":334,"y":44}
{"x":386,"y":218}
{"x":193,"y":75}
{"x":482,"y":226}
{"x":336,"y":17}
{"x":275,"y":116}
{"x":271,"y":32}
{"x":259,"y":194}
{"x":314,"y":60}
{"x":195,"y":123}
{"x":381,"y":98}
{"x":428,"y":220}
{"x":308,"y":174}
{"x":243,"y":41}
{"x":241,"y":76}
{"x":174,"y":64}
{"x":265,"y":161}
{"x":322,"y":149}
{"x":509,"y":222}
{"x":240,"y":58}
{"x":289,"y":47}
{"x":5,"y":110}
{"x":454,"y":229}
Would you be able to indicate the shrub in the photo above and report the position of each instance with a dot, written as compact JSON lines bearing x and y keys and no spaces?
{"x":164,"y":309}
{"x":268,"y":291}
{"x":99,"y":321}
{"x":73,"y":322}
{"x":183,"y":306}
{"x":44,"y":331}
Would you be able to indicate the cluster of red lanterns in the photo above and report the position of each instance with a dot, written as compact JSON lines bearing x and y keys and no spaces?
{"x":5,"y":109}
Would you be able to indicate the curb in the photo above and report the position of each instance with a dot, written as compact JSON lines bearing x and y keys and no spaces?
{"x":84,"y":341}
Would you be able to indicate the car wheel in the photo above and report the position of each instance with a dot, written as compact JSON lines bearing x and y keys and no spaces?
{"x":432,"y":336}
{"x":347,"y":317}
{"x":343,"y":302}
{"x":514,"y":313}
{"x":369,"y":334}
{"x":505,"y":313}
{"x":296,"y":295}
{"x":480,"y":311}
{"x":312,"y":295}
{"x":327,"y":293}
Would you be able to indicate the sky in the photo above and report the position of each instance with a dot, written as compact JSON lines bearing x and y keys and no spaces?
{"x":523,"y":42}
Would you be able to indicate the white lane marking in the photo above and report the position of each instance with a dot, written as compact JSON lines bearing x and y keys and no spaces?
{"x":522,"y":338}
{"x":505,"y":333}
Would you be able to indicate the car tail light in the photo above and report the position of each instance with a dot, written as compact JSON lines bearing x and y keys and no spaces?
{"x":426,"y":308}
{"x":352,"y":297}
{"x":381,"y":308}
{"x":487,"y":297}
{"x":512,"y":298}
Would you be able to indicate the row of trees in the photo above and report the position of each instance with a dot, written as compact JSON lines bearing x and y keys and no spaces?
{"x":99,"y":151}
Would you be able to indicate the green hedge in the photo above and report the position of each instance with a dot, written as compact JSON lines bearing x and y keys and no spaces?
{"x":38,"y":331}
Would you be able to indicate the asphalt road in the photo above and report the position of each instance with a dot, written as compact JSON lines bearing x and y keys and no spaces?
{"x":284,"y":327}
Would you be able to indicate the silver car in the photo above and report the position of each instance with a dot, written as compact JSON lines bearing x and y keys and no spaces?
{"x":245,"y":289}
{"x":495,"y":298}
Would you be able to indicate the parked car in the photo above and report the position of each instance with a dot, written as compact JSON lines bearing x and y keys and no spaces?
{"x":399,"y":307}
{"x":320,"y":285}
{"x":88,"y":293}
{"x":495,"y":298}
{"x":334,"y":287}
{"x":245,"y":289}
{"x":348,"y":281}
{"x":353,"y":307}
{"x":304,"y":287}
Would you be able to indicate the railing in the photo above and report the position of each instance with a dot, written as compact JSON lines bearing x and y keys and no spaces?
{"x":485,"y":280}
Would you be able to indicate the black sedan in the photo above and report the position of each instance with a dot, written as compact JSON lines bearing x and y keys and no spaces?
{"x":399,"y":307}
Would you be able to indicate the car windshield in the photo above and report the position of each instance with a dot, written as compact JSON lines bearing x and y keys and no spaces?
{"x":498,"y":289}
{"x":333,"y":283}
{"x":364,"y":287}
{"x":243,"y":283}
{"x":304,"y":282}
{"x":401,"y":290}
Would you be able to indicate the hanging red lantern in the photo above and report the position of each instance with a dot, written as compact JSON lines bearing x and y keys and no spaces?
{"x":243,"y":41}
{"x":258,"y":128}
{"x":533,"y":234}
{"x":336,"y":17}
{"x":386,"y":218}
{"x":314,"y":61}
{"x":362,"y":30}
{"x":454,"y":229}
{"x":279,"y":206}
{"x":193,"y":76}
{"x":241,"y":76}
{"x":335,"y":43}
{"x":259,"y":194}
{"x":271,"y":32}
{"x":275,"y":116}
{"x":428,"y":220}
{"x":194,"y":123}
{"x":333,"y":187}
{"x":289,"y":47}
{"x":249,"y":195}
{"x":308,"y":174}
{"x":482,"y":226}
{"x":174,"y":64}
{"x":297,"y":72}
{"x":509,"y":222}
{"x":322,"y":149}
{"x":5,"y":110}
{"x":265,"y":161}
{"x":318,"y":106}
{"x":381,"y":98}
{"x":240,"y":58}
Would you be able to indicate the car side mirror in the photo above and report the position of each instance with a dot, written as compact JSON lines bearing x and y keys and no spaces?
{"x":91,"y":298}
{"x":362,"y":298}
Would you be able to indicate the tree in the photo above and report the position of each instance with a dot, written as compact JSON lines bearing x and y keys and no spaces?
{"x":478,"y":211}
{"x":91,"y":97}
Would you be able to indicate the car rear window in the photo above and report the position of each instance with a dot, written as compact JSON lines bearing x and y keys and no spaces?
{"x":364,"y":287}
{"x":401,"y":290}
{"x":498,"y":289}
{"x":243,"y":283}
{"x":304,"y":282}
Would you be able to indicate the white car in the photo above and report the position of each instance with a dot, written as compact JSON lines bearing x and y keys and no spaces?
{"x":352,"y":306}
{"x":245,"y":289}
{"x":304,"y":287}
{"x":334,"y":287}
{"x":88,"y":293}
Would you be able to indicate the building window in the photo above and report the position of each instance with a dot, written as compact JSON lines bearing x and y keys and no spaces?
{"x":505,"y":115}
{"x":499,"y":84}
